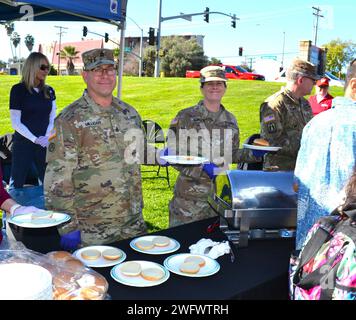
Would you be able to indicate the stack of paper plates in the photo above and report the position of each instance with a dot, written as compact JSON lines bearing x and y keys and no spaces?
{"x":24,"y":281}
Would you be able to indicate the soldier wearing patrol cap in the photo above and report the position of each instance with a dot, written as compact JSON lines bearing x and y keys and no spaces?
{"x":284,"y":115}
{"x":220,"y":138}
{"x":87,"y":174}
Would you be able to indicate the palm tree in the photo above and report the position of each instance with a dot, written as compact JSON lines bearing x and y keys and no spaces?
{"x":69,"y":53}
{"x":9,"y":28}
{"x":15,"y":40}
{"x":29,"y":42}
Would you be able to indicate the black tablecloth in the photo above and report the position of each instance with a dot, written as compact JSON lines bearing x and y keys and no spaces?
{"x":260,"y":271}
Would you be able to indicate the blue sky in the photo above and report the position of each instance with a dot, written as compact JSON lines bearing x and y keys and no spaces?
{"x":260,"y":30}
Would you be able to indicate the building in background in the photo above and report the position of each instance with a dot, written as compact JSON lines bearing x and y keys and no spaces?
{"x":51,"y":50}
{"x":132,"y":51}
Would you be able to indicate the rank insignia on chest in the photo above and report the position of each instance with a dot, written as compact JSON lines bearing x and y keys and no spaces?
{"x":271,"y":127}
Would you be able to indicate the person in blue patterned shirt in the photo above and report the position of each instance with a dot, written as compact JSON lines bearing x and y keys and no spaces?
{"x":326,"y":158}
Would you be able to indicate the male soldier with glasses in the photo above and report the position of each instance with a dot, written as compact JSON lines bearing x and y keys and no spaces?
{"x":284,"y":115}
{"x":88,"y":175}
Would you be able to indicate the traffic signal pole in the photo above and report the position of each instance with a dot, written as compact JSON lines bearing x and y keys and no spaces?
{"x":186,"y":17}
{"x":158,"y":42}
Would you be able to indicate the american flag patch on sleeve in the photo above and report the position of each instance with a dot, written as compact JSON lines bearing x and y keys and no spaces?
{"x":269,"y":118}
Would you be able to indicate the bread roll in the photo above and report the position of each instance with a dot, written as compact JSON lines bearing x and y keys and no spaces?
{"x":60,"y":293}
{"x":144,"y":244}
{"x":152,"y":274}
{"x":91,"y":293}
{"x":130,"y":269}
{"x":111,"y":254}
{"x":199,"y":260}
{"x":74,"y":265}
{"x":90,"y":254}
{"x":260,"y":142}
{"x":41,"y":215}
{"x":60,"y":256}
{"x":161,"y":241}
{"x":189,"y":267}
{"x":64,"y":279}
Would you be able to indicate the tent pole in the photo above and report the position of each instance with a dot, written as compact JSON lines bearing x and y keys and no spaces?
{"x":121,"y":59}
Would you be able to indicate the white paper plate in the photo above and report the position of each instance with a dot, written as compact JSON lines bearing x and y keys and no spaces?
{"x":250,"y":146}
{"x":25,"y":281}
{"x":174,"y":262}
{"x":190,"y":160}
{"x":100,"y":262}
{"x":172,"y":247}
{"x":25,"y":221}
{"x":138,"y":281}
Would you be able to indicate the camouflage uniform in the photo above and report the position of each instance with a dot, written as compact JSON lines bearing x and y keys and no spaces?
{"x":193,"y":185}
{"x":283,"y":118}
{"x":87,"y":175}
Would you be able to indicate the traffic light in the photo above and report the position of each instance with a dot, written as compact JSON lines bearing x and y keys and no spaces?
{"x":144,"y":64}
{"x":151,"y":37}
{"x":106,"y":37}
{"x":241,"y":51}
{"x":206,"y":14}
{"x":233,"y":23}
{"x":85,"y":31}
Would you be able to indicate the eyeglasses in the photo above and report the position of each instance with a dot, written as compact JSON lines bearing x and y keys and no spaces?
{"x":44,"y":67}
{"x":110,"y":71}
{"x":313,"y":80}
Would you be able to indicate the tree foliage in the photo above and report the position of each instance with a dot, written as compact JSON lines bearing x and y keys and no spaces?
{"x":15,"y":39}
{"x":10,"y":27}
{"x":69,"y":53}
{"x":179,"y":55}
{"x":339,"y":54}
{"x":214,"y":60}
{"x":29,"y":42}
{"x":2,"y":64}
{"x":149,"y":57}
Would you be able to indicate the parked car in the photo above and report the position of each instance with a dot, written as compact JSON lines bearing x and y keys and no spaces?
{"x":333,"y":81}
{"x":232,"y":72}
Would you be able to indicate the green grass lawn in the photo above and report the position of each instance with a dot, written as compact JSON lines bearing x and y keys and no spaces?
{"x":160,"y":99}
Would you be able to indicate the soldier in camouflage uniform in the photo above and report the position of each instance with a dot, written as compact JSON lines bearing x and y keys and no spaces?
{"x":193,"y":184}
{"x":284,"y":115}
{"x":87,"y":174}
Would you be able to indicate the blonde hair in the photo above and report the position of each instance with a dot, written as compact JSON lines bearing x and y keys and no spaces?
{"x":31,"y":67}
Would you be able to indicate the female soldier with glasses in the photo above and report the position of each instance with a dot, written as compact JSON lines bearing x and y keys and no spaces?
{"x":32,"y":112}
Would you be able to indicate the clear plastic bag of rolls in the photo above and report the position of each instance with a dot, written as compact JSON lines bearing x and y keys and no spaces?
{"x":71,"y":279}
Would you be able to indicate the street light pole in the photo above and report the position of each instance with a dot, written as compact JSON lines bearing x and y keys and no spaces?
{"x":141,"y":48}
{"x":59,"y":46}
{"x":284,"y":42}
{"x":158,"y":41}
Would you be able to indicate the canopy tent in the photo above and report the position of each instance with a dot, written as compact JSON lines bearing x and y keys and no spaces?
{"x":64,"y":10}
{"x":109,"y":11}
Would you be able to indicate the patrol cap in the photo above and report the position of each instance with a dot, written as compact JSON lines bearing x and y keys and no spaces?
{"x":304,"y":68}
{"x":97,"y":57}
{"x":212,"y":73}
{"x":323,"y":82}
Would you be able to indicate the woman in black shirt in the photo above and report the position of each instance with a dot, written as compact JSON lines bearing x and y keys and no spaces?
{"x":32,"y":112}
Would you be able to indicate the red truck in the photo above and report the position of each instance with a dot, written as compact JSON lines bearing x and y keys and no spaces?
{"x":232,"y":72}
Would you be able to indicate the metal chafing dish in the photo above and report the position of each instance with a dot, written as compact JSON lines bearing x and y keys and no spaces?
{"x":255,"y":205}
